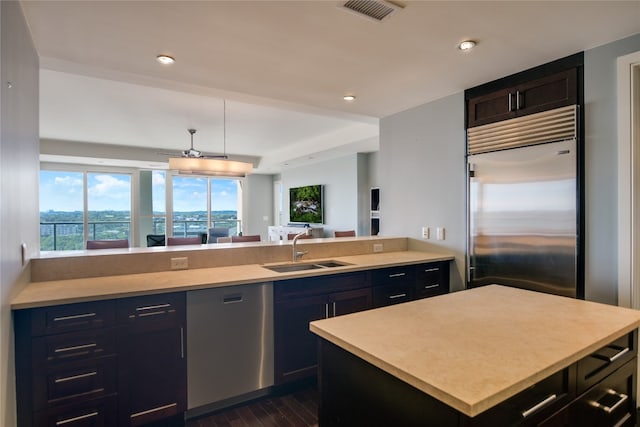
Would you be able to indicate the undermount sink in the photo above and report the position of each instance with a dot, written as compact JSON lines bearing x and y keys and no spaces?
{"x":286,"y":268}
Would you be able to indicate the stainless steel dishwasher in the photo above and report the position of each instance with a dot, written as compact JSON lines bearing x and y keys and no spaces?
{"x":229,"y":345}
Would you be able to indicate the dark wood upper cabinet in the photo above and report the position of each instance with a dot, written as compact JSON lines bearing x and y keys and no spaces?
{"x":545,"y":93}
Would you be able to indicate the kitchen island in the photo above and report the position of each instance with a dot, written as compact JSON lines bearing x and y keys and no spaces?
{"x":487,"y":356}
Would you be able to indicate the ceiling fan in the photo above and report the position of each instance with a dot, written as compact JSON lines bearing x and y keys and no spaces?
{"x":192,"y":153}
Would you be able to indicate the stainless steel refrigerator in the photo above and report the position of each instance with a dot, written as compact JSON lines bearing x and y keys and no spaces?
{"x":523,"y":199}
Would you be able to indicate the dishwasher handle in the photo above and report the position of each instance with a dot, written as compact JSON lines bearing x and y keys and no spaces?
{"x":232,"y":298}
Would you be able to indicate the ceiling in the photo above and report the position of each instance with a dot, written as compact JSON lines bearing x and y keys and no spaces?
{"x":282,"y":67}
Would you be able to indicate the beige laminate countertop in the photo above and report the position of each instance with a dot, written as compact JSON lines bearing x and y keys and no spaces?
{"x":39,"y":294}
{"x":474,"y":349}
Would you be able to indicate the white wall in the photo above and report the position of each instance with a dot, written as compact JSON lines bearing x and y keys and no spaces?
{"x":422,"y":176}
{"x":257,"y":201}
{"x":340,"y":179}
{"x":601,"y":151}
{"x":19,"y":150}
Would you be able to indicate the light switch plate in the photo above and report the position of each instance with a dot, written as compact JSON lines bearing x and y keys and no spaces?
{"x":440,"y":233}
{"x":425,"y":232}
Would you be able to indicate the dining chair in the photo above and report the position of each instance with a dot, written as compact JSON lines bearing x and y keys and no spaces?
{"x":249,"y":238}
{"x":155,"y":240}
{"x":174,"y":241}
{"x":348,"y":233}
{"x":107,"y":244}
{"x":216,"y":232}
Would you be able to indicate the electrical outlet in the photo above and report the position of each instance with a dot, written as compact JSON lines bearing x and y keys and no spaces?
{"x":425,"y":232}
{"x":179,"y":263}
{"x":377,"y":247}
{"x":440,"y":233}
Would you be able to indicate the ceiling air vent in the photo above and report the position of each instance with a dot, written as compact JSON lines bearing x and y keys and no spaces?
{"x":372,"y":9}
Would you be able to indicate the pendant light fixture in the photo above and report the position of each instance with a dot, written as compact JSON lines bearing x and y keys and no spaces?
{"x":194,"y":162}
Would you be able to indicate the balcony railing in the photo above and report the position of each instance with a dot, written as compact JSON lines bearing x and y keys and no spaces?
{"x":70,"y":235}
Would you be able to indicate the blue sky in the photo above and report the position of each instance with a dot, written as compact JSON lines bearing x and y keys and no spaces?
{"x":62,"y":191}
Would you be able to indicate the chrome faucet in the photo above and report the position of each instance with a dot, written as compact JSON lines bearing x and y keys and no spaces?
{"x":297,"y":254}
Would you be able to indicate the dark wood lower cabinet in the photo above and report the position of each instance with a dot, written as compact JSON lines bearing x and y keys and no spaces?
{"x":355,"y":393}
{"x":102,"y":364}
{"x":301,"y":301}
{"x":296,"y":354}
{"x":152,"y":365}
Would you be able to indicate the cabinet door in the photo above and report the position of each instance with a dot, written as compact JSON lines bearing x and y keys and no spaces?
{"x":350,"y":301}
{"x":296,"y":346}
{"x":152,"y":359}
{"x":493,"y":107}
{"x":547,"y":93}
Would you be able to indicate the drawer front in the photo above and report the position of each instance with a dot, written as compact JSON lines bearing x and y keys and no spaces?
{"x":391,"y":294}
{"x":432,"y":279}
{"x":319,"y":285}
{"x":74,"y":382}
{"x":72,"y":317}
{"x":394,"y":275}
{"x":532,"y":405}
{"x":609,"y":403}
{"x":94,"y":413}
{"x":603,"y":362}
{"x":160,"y":310}
{"x":69,"y":347}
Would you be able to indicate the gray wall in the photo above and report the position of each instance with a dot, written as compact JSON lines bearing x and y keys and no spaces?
{"x":601,"y":165}
{"x":257,"y":201}
{"x":19,"y":150}
{"x":422,"y":178}
{"x":340,"y":179}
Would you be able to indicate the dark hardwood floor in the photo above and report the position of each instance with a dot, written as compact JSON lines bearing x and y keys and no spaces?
{"x":298,"y":408}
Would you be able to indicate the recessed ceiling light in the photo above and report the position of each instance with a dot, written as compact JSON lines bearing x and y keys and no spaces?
{"x":349,"y":98}
{"x":165,"y":59}
{"x":467,"y":45}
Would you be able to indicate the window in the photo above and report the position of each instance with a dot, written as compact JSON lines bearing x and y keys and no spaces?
{"x":203,"y":202}
{"x":80,"y":206}
{"x":61,"y":210}
{"x":189,"y":206}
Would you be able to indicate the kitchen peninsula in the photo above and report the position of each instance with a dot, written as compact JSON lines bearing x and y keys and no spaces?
{"x":482,"y":357}
{"x":119,"y":338}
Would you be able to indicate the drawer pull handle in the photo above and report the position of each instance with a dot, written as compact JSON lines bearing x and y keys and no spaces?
{"x":78,"y":418}
{"x":391,"y":276}
{"x":75,"y":347}
{"x":432,"y":286}
{"x":150,"y":411}
{"x":397,"y":296}
{"x":431,"y":270}
{"x":609,"y":409}
{"x":76,"y":377}
{"x":152,"y":307}
{"x":539,"y":406}
{"x":75,"y":316}
{"x":618,"y":355}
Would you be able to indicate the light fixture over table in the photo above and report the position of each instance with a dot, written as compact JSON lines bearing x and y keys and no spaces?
{"x":194,"y":162}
